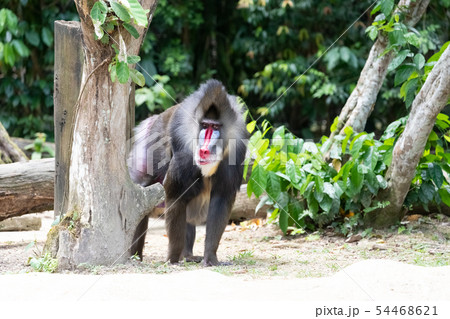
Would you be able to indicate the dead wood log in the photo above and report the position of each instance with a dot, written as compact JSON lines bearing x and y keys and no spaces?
{"x":26,"y":187}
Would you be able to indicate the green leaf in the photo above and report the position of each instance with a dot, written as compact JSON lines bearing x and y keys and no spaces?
{"x":99,"y":11}
{"x":412,"y":39}
{"x":348,"y":133}
{"x":426,"y":192}
{"x":318,"y":193}
{"x":356,"y":144}
{"x":408,"y":91}
{"x":137,"y":77}
{"x":435,"y":173}
{"x":356,"y":180}
{"x":251,"y":126}
{"x":8,"y":18}
{"x":326,"y":203}
{"x":400,"y":57}
{"x":386,"y":6}
{"x":132,"y":30}
{"x":329,"y":189}
{"x":113,"y":72}
{"x":32,"y":38}
{"x":133,"y":59}
{"x":20,"y":48}
{"x":8,"y":54}
{"x":403,"y":73}
{"x":139,"y":14}
{"x":375,"y":9}
{"x":334,"y":125}
{"x":419,"y":61}
{"x":372,"y":183}
{"x":121,"y":12}
{"x":123,"y":72}
{"x":283,"y":202}
{"x":278,"y":138}
{"x":258,"y":180}
{"x":293,"y":171}
{"x":445,"y":196}
{"x":381,"y":181}
{"x":273,"y":185}
{"x":396,"y":38}
{"x":372,"y":32}
{"x":295,"y":210}
{"x":47,"y":36}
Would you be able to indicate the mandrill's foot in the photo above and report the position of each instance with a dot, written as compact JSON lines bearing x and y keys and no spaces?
{"x":215,"y":262}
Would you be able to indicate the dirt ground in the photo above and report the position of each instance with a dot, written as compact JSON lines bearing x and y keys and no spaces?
{"x":259,"y":251}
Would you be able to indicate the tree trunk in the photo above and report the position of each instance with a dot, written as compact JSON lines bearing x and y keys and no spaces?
{"x":69,"y":59}
{"x":26,"y":187}
{"x":360,"y":104}
{"x":409,"y":148}
{"x":9,"y":151}
{"x":104,"y":206}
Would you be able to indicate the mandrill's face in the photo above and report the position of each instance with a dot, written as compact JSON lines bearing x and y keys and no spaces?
{"x":209,"y":147}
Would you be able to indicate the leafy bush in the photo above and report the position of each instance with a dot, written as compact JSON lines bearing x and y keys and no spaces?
{"x":307,"y":191}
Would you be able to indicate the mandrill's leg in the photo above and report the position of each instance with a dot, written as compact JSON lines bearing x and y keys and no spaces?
{"x":219,"y":211}
{"x":189,"y":245}
{"x":176,"y":230}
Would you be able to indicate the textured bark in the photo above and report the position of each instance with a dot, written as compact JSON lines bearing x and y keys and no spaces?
{"x":69,"y":59}
{"x":9,"y":151}
{"x":408,"y":150}
{"x":360,"y":104}
{"x":26,"y":187}
{"x":102,"y":201}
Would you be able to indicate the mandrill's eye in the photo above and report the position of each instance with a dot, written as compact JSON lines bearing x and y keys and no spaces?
{"x":215,"y":127}
{"x":204,"y":126}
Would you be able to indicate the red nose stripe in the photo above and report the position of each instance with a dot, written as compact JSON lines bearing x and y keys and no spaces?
{"x":204,"y":152}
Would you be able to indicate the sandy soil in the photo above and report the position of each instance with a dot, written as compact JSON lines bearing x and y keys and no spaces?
{"x":259,"y":251}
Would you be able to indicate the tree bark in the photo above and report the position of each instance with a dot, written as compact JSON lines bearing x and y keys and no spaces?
{"x":408,"y":150}
{"x":104,"y":206}
{"x":360,"y":104}
{"x":26,"y":187}
{"x":9,"y":151}
{"x":69,"y":59}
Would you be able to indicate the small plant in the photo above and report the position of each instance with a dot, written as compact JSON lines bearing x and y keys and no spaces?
{"x":45,"y":263}
{"x":244,"y":257}
{"x":42,"y":262}
{"x":135,"y":257}
{"x":39,"y":147}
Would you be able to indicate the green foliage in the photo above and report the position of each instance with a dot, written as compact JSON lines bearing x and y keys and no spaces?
{"x":41,"y":261}
{"x":305,"y":191}
{"x":26,"y":64}
{"x":106,"y":17}
{"x":191,"y":41}
{"x":39,"y":147}
{"x":406,"y":44}
{"x":44,"y":263}
{"x":430,"y":186}
{"x":157,"y":97}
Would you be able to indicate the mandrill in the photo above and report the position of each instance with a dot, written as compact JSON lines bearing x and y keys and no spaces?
{"x":196,"y":150}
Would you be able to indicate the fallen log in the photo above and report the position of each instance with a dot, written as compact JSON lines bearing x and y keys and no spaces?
{"x":26,"y":187}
